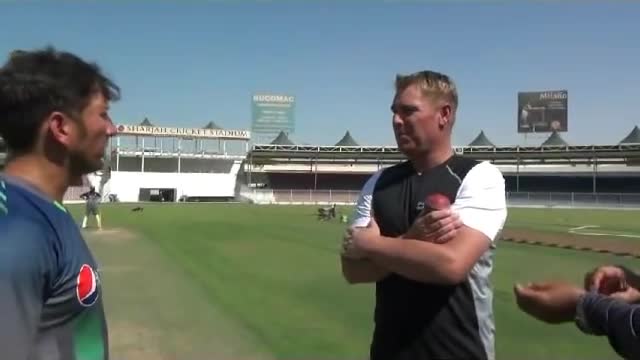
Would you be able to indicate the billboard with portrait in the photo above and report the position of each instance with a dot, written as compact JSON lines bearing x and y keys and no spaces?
{"x":542,"y":111}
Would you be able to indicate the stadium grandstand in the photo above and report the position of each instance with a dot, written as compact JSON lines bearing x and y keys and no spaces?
{"x":150,"y":163}
{"x":145,"y":162}
{"x":553,"y":172}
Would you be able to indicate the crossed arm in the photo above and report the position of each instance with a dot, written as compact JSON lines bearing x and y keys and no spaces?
{"x":415,"y":259}
{"x":436,"y":227}
{"x":357,"y":271}
{"x":481,"y":206}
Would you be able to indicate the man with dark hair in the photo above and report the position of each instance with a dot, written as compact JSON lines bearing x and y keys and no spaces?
{"x":54,"y":120}
{"x":433,"y":300}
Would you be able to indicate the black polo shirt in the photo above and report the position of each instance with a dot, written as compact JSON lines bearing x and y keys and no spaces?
{"x":415,"y":320}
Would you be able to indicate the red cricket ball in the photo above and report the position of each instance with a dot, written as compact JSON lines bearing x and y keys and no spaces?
{"x":437,"y":201}
{"x":610,"y":285}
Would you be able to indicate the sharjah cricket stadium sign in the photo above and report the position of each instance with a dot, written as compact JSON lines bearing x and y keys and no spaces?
{"x":141,"y":130}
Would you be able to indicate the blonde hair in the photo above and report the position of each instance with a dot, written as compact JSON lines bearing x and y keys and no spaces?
{"x":433,"y":84}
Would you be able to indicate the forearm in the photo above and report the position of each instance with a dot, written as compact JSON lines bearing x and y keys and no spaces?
{"x":619,"y":321}
{"x":417,"y":260}
{"x":357,"y":271}
{"x":364,"y":270}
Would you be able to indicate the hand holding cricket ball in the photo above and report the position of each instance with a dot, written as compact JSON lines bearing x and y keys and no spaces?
{"x":615,"y":281}
{"x":437,"y":202}
{"x":436,"y":223}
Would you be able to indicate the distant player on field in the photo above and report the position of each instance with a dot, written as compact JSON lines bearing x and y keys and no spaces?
{"x":92,"y":197}
{"x":54,"y":119}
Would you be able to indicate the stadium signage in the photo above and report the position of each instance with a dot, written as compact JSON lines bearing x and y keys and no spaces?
{"x":274,"y":98}
{"x":553,"y":95}
{"x":543,"y":111}
{"x":183,"y":132}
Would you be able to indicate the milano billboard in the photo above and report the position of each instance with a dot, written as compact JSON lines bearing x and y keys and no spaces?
{"x":542,"y":111}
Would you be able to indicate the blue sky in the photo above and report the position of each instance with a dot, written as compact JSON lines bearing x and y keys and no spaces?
{"x":187,"y":64}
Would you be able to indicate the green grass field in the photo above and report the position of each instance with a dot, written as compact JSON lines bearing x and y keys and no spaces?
{"x":226,"y":281}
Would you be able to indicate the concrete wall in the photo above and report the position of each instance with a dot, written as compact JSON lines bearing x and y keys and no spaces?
{"x":220,"y":184}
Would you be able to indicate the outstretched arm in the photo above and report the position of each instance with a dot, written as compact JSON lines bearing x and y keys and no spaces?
{"x":615,"y":319}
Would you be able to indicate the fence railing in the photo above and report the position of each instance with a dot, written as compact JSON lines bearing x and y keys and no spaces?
{"x":574,"y":199}
{"x":528,"y":199}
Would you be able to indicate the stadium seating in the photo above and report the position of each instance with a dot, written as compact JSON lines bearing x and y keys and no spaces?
{"x":306,"y":181}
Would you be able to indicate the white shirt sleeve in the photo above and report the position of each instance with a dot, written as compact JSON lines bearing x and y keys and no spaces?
{"x":362,"y":213}
{"x":481,"y":200}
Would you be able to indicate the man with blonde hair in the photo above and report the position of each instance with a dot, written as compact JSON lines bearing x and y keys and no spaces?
{"x":431,"y":264}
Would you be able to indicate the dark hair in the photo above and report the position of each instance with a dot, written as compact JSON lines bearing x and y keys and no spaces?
{"x":33,"y":84}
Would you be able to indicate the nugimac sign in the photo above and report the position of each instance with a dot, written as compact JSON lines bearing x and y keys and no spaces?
{"x":183,"y":132}
{"x":260,"y":98}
